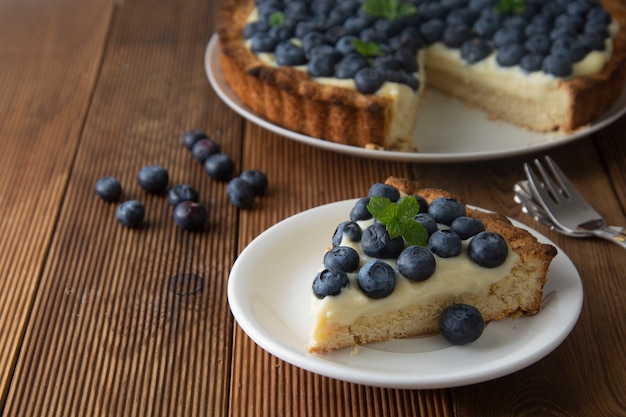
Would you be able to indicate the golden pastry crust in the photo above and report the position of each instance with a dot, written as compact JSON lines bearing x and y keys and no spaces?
{"x":519,"y":293}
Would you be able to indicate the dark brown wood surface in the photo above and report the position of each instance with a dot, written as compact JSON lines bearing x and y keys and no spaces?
{"x":100,"y":320}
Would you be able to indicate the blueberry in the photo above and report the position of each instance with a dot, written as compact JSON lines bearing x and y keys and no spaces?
{"x":289,"y":54}
{"x":409,"y":39}
{"x":597,"y":27}
{"x":343,"y":258}
{"x":190,"y":215}
{"x":475,"y":50}
{"x":329,"y":282}
{"x":204,"y":148}
{"x":321,"y":66}
{"x":461,"y":16}
{"x":190,"y":137}
{"x":389,"y":28}
{"x":432,"y":10}
{"x":537,"y":28}
{"x":219,"y":167}
{"x":599,"y":14}
{"x":360,"y":211}
{"x":517,"y":22}
{"x":327,"y":51}
{"x":356,"y":24}
{"x":262,"y":42}
{"x":345,"y":44}
{"x":131,"y":213}
{"x":532,"y":62}
{"x":432,"y":30}
{"x":573,"y":22}
{"x":376,"y":279}
{"x":348,"y":230}
{"x":153,"y":178}
{"x":488,"y":249}
{"x":455,"y":35}
{"x":592,"y":41}
{"x":510,"y":55}
{"x":310,"y":26}
{"x":281,"y":32}
{"x":445,"y":243}
{"x":372,"y":35}
{"x":182,"y":192}
{"x":368,"y":80}
{"x":486,"y":26}
{"x":507,"y":36}
{"x":467,"y":227}
{"x":108,"y":189}
{"x":557,"y":65}
{"x":444,"y":210}
{"x":386,"y":62}
{"x":257,"y":179}
{"x":253,"y":28}
{"x":376,"y":242}
{"x":427,"y":221}
{"x":416,"y":263}
{"x":461,"y":324}
{"x":240,"y":193}
{"x":384,"y":190}
{"x":538,"y":43}
{"x":421,"y":201}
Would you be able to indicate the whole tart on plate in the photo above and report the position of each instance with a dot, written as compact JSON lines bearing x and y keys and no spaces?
{"x":546,"y":66}
{"x":352,"y":306}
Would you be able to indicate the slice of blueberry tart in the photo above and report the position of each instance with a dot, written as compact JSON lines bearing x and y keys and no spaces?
{"x":412,"y":261}
{"x":355,"y":71}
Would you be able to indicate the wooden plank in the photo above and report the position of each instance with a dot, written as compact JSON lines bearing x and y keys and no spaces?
{"x":136,"y":322}
{"x":50,"y":54}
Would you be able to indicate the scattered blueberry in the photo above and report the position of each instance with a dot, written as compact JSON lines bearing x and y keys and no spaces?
{"x":350,"y":230}
{"x":153,"y":178}
{"x":376,"y":242}
{"x":445,"y":243}
{"x":257,"y":179}
{"x":204,"y":148}
{"x":376,"y":279}
{"x":557,"y":65}
{"x":488,"y":249}
{"x":190,"y":215}
{"x":467,"y":227}
{"x":343,"y":258}
{"x":240,"y":193}
{"x":510,"y":55}
{"x":190,"y":137}
{"x":444,"y":210}
{"x":416,"y":263}
{"x":182,"y":192}
{"x":461,"y":324}
{"x":329,"y":282}
{"x":108,"y":189}
{"x":131,"y":213}
{"x":289,"y":54}
{"x":219,"y":167}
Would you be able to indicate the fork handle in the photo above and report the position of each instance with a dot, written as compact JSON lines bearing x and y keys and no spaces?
{"x":614,"y":235}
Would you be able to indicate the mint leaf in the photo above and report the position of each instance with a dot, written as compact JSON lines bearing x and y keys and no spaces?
{"x":510,"y":6}
{"x":277,"y":18}
{"x":367,"y":49}
{"x":399,"y":219}
{"x":388,"y":9}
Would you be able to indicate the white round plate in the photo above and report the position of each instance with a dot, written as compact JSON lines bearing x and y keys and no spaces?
{"x":448,"y":130}
{"x":269,"y":294}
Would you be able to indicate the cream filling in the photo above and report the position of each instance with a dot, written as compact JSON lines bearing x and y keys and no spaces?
{"x":452,"y":277}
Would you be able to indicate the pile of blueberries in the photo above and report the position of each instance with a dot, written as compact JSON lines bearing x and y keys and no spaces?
{"x":188,"y":213}
{"x":447,"y":224}
{"x":549,"y":36}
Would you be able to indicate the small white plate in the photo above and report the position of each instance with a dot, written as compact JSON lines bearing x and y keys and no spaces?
{"x":269,"y":294}
{"x":448,"y":130}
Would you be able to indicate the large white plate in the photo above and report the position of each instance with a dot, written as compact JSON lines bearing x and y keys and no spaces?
{"x":448,"y":130}
{"x":270,"y":286}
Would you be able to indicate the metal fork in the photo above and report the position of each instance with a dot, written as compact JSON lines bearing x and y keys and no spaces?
{"x":565,"y":206}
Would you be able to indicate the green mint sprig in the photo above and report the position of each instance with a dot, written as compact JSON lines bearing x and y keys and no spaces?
{"x":398,"y":219}
{"x":276,"y":18}
{"x":367,"y":49}
{"x":510,"y":6}
{"x":388,"y":9}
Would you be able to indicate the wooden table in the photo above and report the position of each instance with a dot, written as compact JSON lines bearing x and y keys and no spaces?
{"x":100,"y":320}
